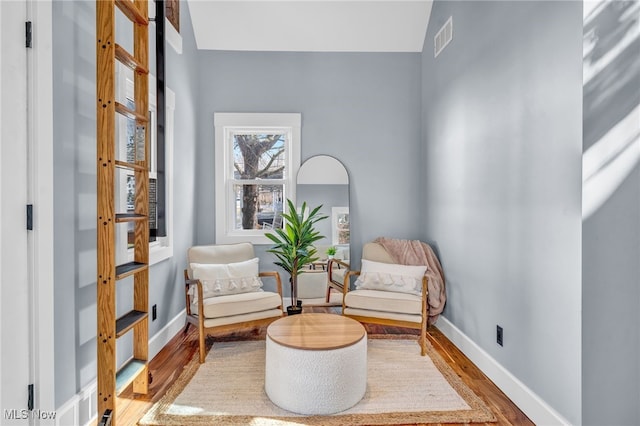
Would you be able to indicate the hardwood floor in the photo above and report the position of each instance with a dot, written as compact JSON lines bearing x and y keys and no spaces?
{"x":169,"y":362}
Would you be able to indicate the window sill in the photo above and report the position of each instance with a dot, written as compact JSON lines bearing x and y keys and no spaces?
{"x":157,"y":254}
{"x":253,"y":237}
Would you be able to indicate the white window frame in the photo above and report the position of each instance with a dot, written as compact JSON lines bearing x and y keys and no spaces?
{"x":162,"y":248}
{"x":226,"y":124}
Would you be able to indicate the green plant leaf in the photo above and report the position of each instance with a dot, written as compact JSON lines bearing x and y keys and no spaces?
{"x":293,"y":245}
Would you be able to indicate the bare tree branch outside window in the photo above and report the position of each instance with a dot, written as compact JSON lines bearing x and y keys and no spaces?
{"x":256,"y":157}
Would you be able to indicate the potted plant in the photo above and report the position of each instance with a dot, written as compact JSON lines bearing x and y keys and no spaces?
{"x":294,"y":245}
{"x":331,"y":251}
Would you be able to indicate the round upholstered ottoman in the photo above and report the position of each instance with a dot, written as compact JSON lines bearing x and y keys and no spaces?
{"x":316,"y":363}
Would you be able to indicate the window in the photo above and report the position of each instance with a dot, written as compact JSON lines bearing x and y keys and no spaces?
{"x":257,"y":158}
{"x":160,"y":208}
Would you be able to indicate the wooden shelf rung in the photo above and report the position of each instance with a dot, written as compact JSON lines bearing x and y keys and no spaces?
{"x":129,"y":113}
{"x":129,"y":217}
{"x":131,"y":11}
{"x":128,"y":373}
{"x":127,"y":165}
{"x":129,"y":60}
{"x":126,"y":269}
{"x":128,"y":321}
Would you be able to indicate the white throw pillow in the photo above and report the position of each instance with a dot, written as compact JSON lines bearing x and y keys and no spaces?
{"x":390,"y":277}
{"x":227,"y":278}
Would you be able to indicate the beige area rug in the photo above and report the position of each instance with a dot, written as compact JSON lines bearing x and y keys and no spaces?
{"x":402,"y":388}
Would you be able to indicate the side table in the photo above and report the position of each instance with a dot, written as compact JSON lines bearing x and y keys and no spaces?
{"x":316,"y":363}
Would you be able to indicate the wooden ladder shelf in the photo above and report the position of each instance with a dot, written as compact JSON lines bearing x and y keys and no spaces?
{"x":111,"y":379}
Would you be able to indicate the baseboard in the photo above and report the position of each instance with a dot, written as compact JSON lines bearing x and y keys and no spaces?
{"x":531,"y":404}
{"x":82,"y":409}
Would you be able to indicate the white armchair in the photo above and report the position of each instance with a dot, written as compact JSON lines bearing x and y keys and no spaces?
{"x":337,"y":270}
{"x":223,"y":290}
{"x":312,"y":286}
{"x":387,"y":293}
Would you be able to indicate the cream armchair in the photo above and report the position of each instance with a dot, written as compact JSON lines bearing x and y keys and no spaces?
{"x":223,"y":290}
{"x":337,"y":271}
{"x":337,"y":268}
{"x":387,"y":293}
{"x":312,"y":286}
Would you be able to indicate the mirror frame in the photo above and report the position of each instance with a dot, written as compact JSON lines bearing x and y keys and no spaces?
{"x":314,"y":171}
{"x":325,"y":170}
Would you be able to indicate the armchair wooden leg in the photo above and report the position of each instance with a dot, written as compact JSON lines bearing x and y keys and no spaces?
{"x":186,"y":327}
{"x":201,"y":341}
{"x":423,"y":341}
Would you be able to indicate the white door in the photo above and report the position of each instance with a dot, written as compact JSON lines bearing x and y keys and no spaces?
{"x":26,"y":176}
{"x":15,"y":365}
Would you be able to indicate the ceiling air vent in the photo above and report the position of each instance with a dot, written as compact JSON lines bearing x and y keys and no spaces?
{"x":443,"y":37}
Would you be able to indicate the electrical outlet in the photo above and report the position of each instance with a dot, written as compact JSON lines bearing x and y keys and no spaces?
{"x":499,"y":335}
{"x":154,"y":312}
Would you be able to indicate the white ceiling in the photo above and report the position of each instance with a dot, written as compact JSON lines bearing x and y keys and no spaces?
{"x":310,"y":25}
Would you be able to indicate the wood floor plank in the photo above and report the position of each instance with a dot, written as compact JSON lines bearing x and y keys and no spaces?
{"x":167,"y":365}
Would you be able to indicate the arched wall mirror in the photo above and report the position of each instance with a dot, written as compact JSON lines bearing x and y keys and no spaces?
{"x":323,"y":180}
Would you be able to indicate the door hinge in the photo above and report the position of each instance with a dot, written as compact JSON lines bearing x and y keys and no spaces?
{"x":30,"y":397}
{"x":30,"y":217}
{"x":106,"y":419}
{"x":28,"y":34}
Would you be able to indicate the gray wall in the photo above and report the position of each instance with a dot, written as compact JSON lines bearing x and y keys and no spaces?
{"x":75,"y":195}
{"x":501,"y":148}
{"x":363,"y":109}
{"x":611,"y":229}
{"x":74,"y":212}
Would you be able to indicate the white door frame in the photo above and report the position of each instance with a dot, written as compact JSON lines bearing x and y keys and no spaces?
{"x":26,"y":165}
{"x":41,"y":196}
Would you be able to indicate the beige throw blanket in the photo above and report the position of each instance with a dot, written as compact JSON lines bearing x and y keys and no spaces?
{"x":414,"y":252}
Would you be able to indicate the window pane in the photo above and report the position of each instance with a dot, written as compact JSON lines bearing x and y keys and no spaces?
{"x":259,"y":156}
{"x":131,"y":202}
{"x":258,"y":206}
{"x":131,"y":132}
{"x":131,"y":193}
{"x":135,"y":140}
{"x":153,"y":208}
{"x":343,"y":228}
